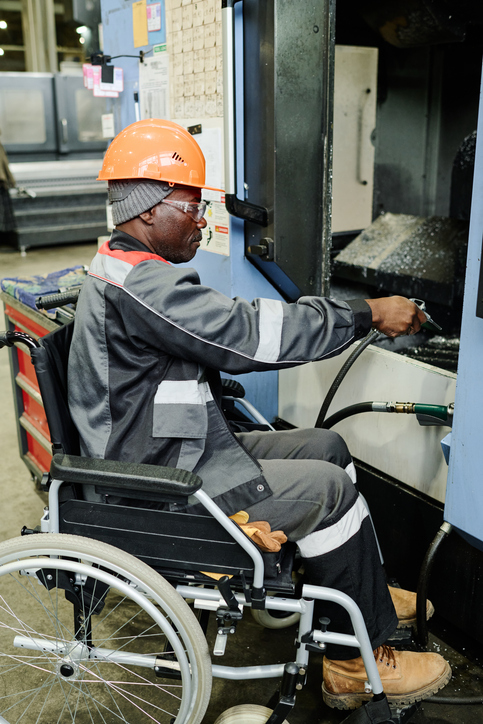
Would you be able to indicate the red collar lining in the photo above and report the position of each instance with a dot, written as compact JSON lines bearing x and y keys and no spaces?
{"x":132,"y":257}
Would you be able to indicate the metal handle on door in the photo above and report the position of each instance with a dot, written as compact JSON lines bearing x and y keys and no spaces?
{"x":361,"y":167}
{"x":65,"y":134}
{"x":235,"y":206}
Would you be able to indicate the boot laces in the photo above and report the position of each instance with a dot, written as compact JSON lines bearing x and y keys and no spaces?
{"x":385,"y":654}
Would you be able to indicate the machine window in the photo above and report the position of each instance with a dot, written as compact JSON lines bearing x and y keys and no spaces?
{"x":22,"y":116}
{"x":89,"y":111}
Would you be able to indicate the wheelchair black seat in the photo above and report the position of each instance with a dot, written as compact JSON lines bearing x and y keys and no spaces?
{"x":177,"y":544}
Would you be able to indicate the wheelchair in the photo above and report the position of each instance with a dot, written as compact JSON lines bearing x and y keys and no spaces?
{"x":97,"y":603}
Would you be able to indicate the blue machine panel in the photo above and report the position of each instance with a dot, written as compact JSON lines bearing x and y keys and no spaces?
{"x":464,"y":496}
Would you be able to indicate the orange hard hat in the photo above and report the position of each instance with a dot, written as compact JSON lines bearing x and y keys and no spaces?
{"x":155,"y":149}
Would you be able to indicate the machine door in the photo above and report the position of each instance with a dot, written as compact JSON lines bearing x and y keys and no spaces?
{"x":27,"y":121}
{"x":288,"y":59}
{"x":79,"y":113}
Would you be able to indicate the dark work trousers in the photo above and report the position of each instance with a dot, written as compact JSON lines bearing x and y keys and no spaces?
{"x":317,"y":506}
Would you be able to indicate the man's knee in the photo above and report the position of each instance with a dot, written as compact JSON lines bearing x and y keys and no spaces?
{"x":305,"y":495}
{"x":326,"y":445}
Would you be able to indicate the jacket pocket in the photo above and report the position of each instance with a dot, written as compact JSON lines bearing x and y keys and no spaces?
{"x":179,"y":409}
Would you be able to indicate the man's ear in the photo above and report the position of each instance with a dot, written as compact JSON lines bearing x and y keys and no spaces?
{"x":147,"y":216}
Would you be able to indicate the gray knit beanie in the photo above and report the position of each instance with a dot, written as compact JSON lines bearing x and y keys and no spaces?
{"x":131,"y":198}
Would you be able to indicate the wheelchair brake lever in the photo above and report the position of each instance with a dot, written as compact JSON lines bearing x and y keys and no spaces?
{"x":226,"y":617}
{"x":225,"y":590}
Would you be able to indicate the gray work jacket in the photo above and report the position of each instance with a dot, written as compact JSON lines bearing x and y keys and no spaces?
{"x":149,"y":342}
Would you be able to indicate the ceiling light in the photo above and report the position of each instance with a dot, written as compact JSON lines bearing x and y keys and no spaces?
{"x":3,"y":25}
{"x":81,"y":29}
{"x":82,"y":41}
{"x":2,"y":52}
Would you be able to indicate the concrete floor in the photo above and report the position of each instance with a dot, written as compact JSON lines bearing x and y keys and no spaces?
{"x":22,"y":504}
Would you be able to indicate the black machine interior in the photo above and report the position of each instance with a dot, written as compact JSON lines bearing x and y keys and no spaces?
{"x":427,"y":103}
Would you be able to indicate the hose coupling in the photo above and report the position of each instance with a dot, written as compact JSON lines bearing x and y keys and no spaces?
{"x":405,"y":407}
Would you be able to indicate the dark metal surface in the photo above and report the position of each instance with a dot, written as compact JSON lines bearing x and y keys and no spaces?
{"x":439,"y":351}
{"x":409,"y":255}
{"x":288,"y":75}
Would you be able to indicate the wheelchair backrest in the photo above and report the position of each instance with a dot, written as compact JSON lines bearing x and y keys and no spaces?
{"x":50,"y":362}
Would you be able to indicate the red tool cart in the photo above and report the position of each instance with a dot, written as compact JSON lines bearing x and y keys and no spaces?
{"x":55,"y":290}
{"x":32,"y":430}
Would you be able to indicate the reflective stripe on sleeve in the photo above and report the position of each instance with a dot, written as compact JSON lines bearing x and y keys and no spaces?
{"x":270,"y":334}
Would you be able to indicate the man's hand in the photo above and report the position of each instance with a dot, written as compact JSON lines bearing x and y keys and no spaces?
{"x":395,"y":316}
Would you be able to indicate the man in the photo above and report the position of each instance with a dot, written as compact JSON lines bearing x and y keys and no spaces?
{"x":149,"y":341}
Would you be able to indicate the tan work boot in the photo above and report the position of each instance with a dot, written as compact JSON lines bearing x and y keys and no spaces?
{"x":406,"y":677}
{"x":405,"y":605}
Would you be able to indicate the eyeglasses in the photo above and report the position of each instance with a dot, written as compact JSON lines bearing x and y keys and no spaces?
{"x":195,"y":210}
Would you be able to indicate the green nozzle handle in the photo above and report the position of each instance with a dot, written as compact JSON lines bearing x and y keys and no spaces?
{"x":439,"y":411}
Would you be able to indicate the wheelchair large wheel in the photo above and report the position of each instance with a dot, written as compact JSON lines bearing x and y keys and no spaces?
{"x":89,"y":634}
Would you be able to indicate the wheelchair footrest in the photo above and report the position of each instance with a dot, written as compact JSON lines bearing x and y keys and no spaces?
{"x":286,"y":700}
{"x":400,"y":716}
{"x":379,"y":712}
{"x":375,"y":711}
{"x":401,"y":637}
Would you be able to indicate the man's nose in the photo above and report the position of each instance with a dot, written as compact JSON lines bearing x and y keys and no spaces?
{"x":201,"y":223}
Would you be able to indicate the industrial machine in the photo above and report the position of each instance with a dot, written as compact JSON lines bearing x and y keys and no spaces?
{"x":415,"y":244}
{"x":52,"y":132}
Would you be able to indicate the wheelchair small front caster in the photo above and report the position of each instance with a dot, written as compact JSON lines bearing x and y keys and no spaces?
{"x":274,"y":619}
{"x":267,"y":619}
{"x":245,"y":714}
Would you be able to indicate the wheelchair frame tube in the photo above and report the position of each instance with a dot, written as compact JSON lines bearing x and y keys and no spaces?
{"x":271,"y":602}
{"x":361,"y":638}
{"x":54,"y":523}
{"x":241,"y":673}
{"x":257,"y":416}
{"x":235,"y":532}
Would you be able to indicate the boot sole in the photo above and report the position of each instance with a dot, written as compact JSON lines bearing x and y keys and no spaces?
{"x":353,"y":701}
{"x":412,"y":621}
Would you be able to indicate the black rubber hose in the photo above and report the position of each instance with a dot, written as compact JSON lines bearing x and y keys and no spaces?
{"x":465,"y":700}
{"x":423,"y":582}
{"x":347,"y":412}
{"x":342,"y":373}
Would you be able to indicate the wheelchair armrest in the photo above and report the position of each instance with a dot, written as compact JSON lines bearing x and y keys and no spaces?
{"x":232,"y":388}
{"x":170,"y":482}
